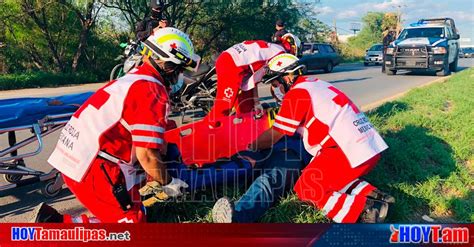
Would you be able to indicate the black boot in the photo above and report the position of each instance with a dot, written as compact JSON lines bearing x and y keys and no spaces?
{"x":46,"y":214}
{"x":374,"y":212}
{"x":381,"y":196}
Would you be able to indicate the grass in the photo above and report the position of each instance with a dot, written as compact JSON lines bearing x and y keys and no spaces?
{"x":429,"y":167}
{"x":42,"y":79}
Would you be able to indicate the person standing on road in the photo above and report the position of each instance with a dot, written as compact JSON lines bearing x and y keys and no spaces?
{"x":118,"y":129}
{"x":388,"y":38}
{"x":280,"y":31}
{"x":342,"y":142}
{"x":239,"y":68}
{"x":144,"y":28}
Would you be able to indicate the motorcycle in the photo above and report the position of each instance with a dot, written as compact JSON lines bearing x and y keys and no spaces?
{"x":130,"y":58}
{"x":197,"y":92}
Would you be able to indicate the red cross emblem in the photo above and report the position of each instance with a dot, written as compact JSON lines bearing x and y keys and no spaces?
{"x":279,"y":63}
{"x":97,"y":100}
{"x":229,"y":92}
{"x":174,"y":46}
{"x":342,"y":100}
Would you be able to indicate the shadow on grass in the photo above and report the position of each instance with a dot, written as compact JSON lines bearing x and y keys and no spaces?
{"x":389,"y":109}
{"x":291,"y":209}
{"x":195,"y":208}
{"x":177,"y":212}
{"x":414,"y":157}
{"x":463,"y":207}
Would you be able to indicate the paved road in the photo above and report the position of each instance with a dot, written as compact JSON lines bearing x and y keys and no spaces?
{"x":364,"y":85}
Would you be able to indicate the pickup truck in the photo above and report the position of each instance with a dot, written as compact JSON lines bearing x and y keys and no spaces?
{"x":429,"y":45}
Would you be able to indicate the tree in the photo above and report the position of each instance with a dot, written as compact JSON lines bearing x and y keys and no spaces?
{"x":216,"y":25}
{"x":51,"y":36}
{"x":389,"y":22}
{"x":87,"y":16}
{"x":131,"y":10}
{"x":76,"y":36}
{"x":370,"y":34}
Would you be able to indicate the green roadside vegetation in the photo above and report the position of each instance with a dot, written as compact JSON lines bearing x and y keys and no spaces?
{"x":44,"y":79}
{"x":375,"y":26}
{"x":41,"y":52}
{"x":71,"y":37}
{"x":429,"y":167}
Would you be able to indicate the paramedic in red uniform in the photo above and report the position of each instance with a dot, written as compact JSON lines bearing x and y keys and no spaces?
{"x":119,"y":127}
{"x":342,"y":141}
{"x":238,"y":70}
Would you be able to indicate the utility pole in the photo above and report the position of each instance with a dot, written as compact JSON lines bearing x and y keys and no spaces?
{"x":355,"y":27}
{"x":336,"y":40}
{"x":399,"y":17}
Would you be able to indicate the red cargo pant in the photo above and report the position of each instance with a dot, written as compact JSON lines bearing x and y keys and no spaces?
{"x":95,"y":193}
{"x":229,"y":80}
{"x":333,"y":186}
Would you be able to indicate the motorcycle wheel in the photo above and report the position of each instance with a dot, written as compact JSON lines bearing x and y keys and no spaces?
{"x":207,"y":106}
{"x":116,"y":72}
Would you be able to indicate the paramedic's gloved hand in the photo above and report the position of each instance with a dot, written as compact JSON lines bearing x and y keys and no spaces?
{"x":259,"y":111}
{"x":175,"y":187}
{"x":154,"y":189}
{"x":150,"y":188}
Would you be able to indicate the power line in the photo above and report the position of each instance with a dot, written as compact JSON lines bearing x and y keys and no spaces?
{"x":338,"y":28}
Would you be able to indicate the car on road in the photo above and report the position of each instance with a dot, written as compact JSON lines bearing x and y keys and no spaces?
{"x":428,"y":45}
{"x":466,"y":52}
{"x":374,"y":55}
{"x":317,"y":56}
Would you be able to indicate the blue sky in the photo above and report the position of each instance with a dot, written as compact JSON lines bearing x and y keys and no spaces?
{"x":347,"y":11}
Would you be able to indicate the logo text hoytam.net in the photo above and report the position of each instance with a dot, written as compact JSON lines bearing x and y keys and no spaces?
{"x":73,"y":234}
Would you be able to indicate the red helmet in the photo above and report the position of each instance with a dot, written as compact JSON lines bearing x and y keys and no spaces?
{"x":291,"y":43}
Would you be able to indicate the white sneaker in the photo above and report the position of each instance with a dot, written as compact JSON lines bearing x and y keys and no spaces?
{"x":222,"y":211}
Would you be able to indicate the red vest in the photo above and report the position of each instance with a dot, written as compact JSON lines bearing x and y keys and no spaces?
{"x":78,"y":143}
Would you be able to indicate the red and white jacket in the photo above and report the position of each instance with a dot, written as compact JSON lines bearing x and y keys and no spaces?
{"x":253,"y":54}
{"x":320,"y":113}
{"x":126,"y":113}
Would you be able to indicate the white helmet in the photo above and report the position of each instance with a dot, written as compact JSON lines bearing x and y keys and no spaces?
{"x":283,"y":64}
{"x":172,"y":45}
{"x":291,"y":43}
{"x":279,"y":66}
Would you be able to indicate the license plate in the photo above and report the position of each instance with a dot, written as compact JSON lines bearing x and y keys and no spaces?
{"x":411,"y":63}
{"x":412,"y":50}
{"x":373,"y":59}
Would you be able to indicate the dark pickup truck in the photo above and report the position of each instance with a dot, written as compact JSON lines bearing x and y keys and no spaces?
{"x":429,"y":45}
